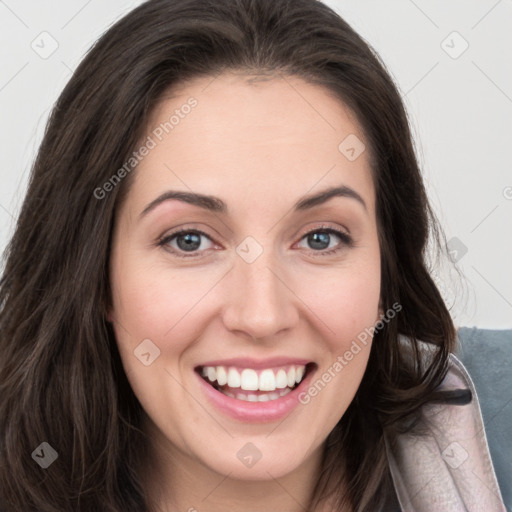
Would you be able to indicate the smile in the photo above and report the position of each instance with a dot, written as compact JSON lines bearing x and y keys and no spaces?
{"x":254,"y":385}
{"x":254,"y":390}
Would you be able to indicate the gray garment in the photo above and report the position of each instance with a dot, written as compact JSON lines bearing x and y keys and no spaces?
{"x":444,"y":464}
{"x":487,"y":355}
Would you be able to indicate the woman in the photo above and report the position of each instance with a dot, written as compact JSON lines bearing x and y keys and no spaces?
{"x":217,"y":295}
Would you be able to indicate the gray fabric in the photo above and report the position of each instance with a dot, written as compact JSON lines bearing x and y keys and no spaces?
{"x":443,"y":462}
{"x":487,"y":356}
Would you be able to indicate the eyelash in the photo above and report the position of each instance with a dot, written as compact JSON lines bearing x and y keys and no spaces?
{"x":346,"y":241}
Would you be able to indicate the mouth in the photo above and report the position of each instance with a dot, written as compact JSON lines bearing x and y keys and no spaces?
{"x":255,"y":384}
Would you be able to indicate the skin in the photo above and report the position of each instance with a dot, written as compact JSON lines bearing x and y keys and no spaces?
{"x":259,"y":146}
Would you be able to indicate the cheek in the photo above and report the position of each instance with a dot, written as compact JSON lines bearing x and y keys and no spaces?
{"x":346,"y":308}
{"x":153,"y":303}
{"x":346,"y":300}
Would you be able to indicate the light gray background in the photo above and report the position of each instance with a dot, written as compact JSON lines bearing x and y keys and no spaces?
{"x":460,"y":108}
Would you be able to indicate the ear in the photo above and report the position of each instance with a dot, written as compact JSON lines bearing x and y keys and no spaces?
{"x":109,"y":315}
{"x":380,"y":312}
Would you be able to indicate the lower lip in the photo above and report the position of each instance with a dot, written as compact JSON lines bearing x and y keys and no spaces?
{"x":255,"y":411}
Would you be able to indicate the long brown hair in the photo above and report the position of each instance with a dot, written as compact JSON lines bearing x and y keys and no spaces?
{"x":61,"y":379}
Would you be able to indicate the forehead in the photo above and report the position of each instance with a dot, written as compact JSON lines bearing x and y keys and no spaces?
{"x":253,"y":135}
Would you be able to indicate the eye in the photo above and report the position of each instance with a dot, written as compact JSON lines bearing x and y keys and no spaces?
{"x":186,"y":241}
{"x":191,"y":242}
{"x":327,"y":240}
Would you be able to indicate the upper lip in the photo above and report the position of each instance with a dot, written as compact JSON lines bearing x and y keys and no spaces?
{"x":248,"y":362}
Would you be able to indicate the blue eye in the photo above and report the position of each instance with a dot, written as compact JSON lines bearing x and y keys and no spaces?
{"x":186,"y":243}
{"x":321,"y":239}
{"x":185,"y":240}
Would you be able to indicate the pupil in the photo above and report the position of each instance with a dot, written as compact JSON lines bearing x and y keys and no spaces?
{"x":191,"y":241}
{"x":317,"y":240}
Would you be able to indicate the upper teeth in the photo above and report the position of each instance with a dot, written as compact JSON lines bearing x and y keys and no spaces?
{"x":251,"y":380}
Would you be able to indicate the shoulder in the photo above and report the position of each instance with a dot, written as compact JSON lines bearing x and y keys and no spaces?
{"x":444,"y":462}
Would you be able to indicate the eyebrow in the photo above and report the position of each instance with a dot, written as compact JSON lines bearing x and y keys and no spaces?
{"x":216,"y":205}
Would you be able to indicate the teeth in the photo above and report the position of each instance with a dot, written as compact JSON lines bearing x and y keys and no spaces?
{"x":299,"y":373}
{"x":267,"y":381}
{"x":281,"y":379}
{"x":212,"y":374}
{"x":250,"y":380}
{"x":233,"y":378}
{"x":222,"y":376}
{"x":291,"y":377}
{"x":250,"y":397}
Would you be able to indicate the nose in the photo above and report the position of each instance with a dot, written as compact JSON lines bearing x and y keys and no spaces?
{"x":260,"y":299}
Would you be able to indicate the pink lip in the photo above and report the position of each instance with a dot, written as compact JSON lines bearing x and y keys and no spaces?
{"x":247,"y":362}
{"x":254,"y":412}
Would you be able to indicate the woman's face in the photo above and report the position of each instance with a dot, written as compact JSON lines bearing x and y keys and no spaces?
{"x":268,"y":279}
